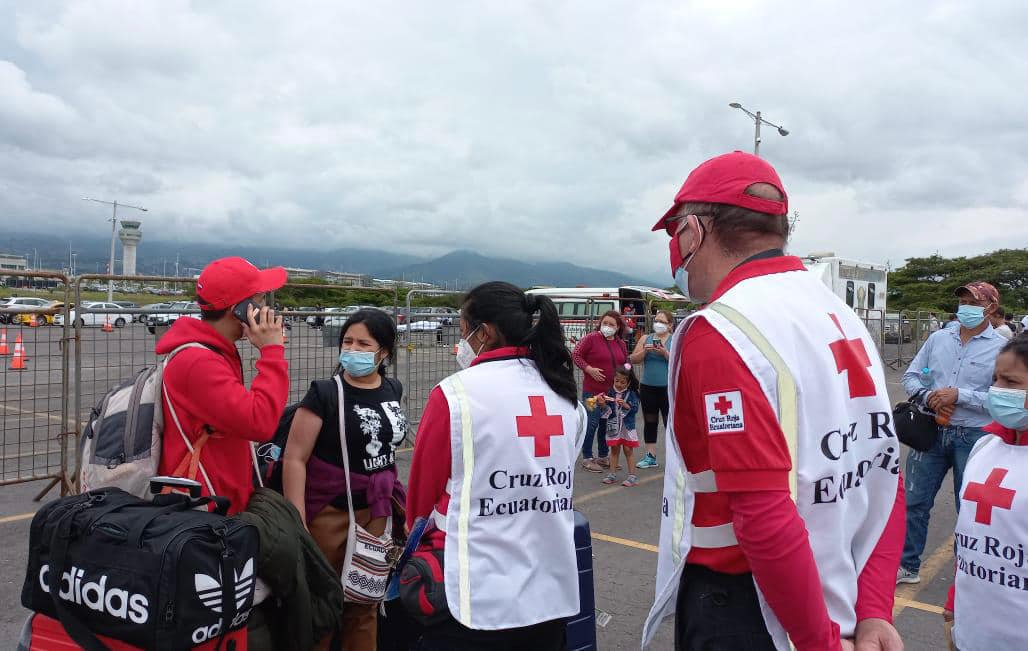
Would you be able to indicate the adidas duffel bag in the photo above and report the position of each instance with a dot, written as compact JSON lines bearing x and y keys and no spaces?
{"x":155,"y":574}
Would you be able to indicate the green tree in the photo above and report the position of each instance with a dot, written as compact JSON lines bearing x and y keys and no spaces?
{"x":928,"y":283}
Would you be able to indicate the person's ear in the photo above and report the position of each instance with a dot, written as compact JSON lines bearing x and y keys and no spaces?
{"x":486,"y":335}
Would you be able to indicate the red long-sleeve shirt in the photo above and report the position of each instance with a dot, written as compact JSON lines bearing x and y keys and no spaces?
{"x":206,"y":388}
{"x":752,"y":471}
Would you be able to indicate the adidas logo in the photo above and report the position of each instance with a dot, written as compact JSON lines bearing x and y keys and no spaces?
{"x":95,"y":595}
{"x":208,"y":590}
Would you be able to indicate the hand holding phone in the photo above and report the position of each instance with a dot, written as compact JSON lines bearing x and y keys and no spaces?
{"x":242,"y":311}
{"x":262,"y":326}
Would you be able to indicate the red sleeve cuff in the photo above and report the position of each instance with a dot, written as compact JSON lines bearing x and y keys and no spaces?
{"x":273,"y":351}
{"x":743,"y":481}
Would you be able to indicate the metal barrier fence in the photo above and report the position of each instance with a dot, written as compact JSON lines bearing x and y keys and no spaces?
{"x":75,"y":353}
{"x":425,"y":351}
{"x":34,"y":390}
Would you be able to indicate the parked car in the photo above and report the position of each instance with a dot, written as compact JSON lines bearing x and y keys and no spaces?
{"x":86,"y":317}
{"x":443,"y":315}
{"x":144,"y":312}
{"x":179,"y":309}
{"x":134,"y":307}
{"x":316,"y":321}
{"x":18,"y":309}
{"x":344,"y":313}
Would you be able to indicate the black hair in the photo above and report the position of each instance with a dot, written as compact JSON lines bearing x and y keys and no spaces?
{"x":512,"y":312}
{"x":629,"y":372}
{"x":212,"y":315}
{"x":381,"y":328}
{"x":1019,"y":347}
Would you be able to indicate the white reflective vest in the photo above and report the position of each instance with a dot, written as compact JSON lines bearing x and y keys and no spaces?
{"x":818,"y":368}
{"x":510,"y":555}
{"x":990,"y":541}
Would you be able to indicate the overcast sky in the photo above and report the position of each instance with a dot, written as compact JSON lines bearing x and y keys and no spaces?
{"x":540,"y":130}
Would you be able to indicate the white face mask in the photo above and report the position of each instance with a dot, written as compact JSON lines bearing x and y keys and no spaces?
{"x":608,"y":331}
{"x":465,"y":353}
{"x":660,"y":328}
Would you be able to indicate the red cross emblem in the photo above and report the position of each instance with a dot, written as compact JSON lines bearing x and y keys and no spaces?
{"x":723,"y":404}
{"x":540,"y":425}
{"x":851,"y":356}
{"x":989,"y":495}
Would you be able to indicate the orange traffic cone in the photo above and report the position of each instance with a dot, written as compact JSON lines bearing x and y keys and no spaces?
{"x":285,"y":335}
{"x":4,"y":350}
{"x":107,"y":325}
{"x":18,"y":361}
{"x":33,"y":321}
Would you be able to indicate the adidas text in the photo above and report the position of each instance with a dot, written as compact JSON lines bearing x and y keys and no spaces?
{"x":207,"y":633}
{"x":95,"y":595}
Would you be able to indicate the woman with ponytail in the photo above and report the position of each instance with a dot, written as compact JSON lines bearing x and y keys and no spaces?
{"x":493,"y":472}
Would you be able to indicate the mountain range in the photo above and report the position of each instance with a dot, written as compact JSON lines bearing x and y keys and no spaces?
{"x":461,"y":268}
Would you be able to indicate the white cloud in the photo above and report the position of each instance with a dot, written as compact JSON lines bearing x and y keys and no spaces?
{"x":537,"y":130}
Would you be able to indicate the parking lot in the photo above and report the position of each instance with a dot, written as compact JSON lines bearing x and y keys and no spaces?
{"x":624,"y":521}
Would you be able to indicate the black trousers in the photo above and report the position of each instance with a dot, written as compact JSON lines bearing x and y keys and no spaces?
{"x":453,"y":636}
{"x":719,"y":612}
{"x":654,"y":404}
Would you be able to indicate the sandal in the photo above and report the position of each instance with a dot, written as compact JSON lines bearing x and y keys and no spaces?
{"x":610,"y":479}
{"x":630,"y":482}
{"x":591,"y":466}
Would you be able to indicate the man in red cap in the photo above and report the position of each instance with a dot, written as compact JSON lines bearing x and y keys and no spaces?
{"x":782,"y":518}
{"x":951,"y":376}
{"x":206,"y":404}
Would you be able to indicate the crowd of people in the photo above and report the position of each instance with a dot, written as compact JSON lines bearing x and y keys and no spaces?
{"x":786,"y":518}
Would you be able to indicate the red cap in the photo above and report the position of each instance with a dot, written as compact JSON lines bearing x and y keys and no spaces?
{"x":724,"y":179}
{"x":228,"y":281}
{"x":980,"y":290}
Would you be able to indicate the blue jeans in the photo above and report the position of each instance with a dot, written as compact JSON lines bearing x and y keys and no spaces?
{"x":923,"y":477}
{"x":595,"y":425}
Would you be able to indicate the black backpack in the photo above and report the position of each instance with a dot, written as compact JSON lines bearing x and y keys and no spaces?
{"x":269,"y":455}
{"x":155,"y":574}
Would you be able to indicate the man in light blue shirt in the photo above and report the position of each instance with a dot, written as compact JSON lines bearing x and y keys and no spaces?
{"x":950,"y":375}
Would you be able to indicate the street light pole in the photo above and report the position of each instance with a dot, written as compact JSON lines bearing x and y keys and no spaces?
{"x":757,"y":121}
{"x":114,"y":229}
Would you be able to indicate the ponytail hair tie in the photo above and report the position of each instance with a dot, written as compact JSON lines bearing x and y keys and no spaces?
{"x":627,"y":366}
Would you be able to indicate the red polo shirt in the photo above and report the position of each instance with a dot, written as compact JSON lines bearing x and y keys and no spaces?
{"x":752,"y":468}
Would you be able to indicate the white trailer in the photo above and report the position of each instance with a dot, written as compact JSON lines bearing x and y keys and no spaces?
{"x":862,"y":285}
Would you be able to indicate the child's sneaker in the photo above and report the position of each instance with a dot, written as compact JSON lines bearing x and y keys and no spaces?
{"x":649,"y":461}
{"x":610,"y":479}
{"x":630,"y":482}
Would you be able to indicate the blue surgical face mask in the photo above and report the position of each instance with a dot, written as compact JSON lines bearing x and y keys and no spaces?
{"x":970,"y":316}
{"x":682,"y":281}
{"x":1007,"y":407}
{"x":358,"y":363}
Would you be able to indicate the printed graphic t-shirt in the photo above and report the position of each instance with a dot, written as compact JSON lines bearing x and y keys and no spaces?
{"x":375,"y":424}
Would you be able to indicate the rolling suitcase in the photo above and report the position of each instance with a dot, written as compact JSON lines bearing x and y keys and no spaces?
{"x":582,"y":627}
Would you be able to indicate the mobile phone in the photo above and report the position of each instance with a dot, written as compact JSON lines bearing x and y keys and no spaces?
{"x":242,"y":311}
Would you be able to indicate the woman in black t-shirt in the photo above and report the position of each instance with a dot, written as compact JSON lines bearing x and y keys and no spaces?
{"x":313,"y":476}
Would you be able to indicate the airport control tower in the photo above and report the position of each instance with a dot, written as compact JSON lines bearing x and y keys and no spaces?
{"x":130,"y":236}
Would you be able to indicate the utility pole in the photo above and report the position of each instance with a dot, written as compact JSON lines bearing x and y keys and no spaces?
{"x":114,"y":232}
